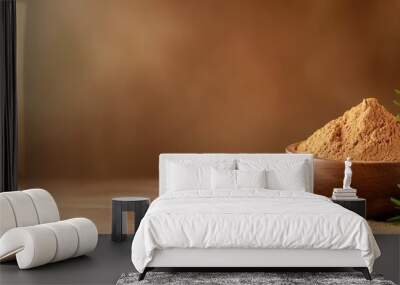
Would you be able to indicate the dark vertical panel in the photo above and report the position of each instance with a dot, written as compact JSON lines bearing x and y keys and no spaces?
{"x":8,"y":116}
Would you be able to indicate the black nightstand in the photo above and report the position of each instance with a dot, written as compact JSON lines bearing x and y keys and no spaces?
{"x":120,"y":206}
{"x":357,"y":205}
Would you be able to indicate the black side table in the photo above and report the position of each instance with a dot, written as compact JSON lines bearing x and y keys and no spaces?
{"x":120,"y":206}
{"x":357,"y":205}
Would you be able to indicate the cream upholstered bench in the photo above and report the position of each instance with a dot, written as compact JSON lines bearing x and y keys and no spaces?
{"x":31,"y":230}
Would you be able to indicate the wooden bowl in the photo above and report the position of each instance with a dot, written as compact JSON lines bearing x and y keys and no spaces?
{"x":375,"y":181}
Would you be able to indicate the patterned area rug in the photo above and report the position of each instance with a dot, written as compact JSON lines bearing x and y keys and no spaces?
{"x":269,"y":278}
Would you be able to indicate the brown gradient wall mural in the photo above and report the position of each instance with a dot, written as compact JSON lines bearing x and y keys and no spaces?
{"x":108,"y":85}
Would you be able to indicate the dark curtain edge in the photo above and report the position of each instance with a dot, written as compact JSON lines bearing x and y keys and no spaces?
{"x":8,"y":178}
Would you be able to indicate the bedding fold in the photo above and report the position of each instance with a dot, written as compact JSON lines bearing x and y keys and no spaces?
{"x":250,"y":218}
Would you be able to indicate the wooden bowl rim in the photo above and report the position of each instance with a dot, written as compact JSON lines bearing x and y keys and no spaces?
{"x":291,"y":149}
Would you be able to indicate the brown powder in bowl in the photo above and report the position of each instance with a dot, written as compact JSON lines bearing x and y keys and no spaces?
{"x":367,"y":132}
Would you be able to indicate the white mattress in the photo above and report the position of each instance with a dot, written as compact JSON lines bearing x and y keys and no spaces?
{"x":250,"y":219}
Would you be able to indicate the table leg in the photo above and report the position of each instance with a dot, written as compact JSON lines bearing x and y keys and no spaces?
{"x":124,"y":223}
{"x":116,"y":221}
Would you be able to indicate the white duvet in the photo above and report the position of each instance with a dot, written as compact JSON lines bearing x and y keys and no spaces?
{"x":250,"y":218}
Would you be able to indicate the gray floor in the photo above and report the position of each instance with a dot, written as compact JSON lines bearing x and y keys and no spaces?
{"x":110,"y":260}
{"x":389,"y":262}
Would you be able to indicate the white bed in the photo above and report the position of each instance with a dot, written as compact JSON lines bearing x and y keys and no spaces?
{"x":250,"y":227}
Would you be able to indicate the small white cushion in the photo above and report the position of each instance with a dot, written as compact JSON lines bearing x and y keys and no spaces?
{"x":251,"y":178}
{"x":223,"y":179}
{"x":236,"y":179}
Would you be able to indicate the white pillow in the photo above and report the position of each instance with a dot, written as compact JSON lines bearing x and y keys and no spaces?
{"x":191,"y":174}
{"x":236,"y":179}
{"x":289,"y":175}
{"x":293,"y":179}
{"x":251,"y":178}
{"x":223,"y":179}
{"x":188,"y":177}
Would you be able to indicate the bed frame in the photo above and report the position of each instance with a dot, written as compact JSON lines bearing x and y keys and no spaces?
{"x":246,"y":259}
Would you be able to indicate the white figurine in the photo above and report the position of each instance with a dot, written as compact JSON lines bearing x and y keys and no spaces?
{"x":347,"y":174}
